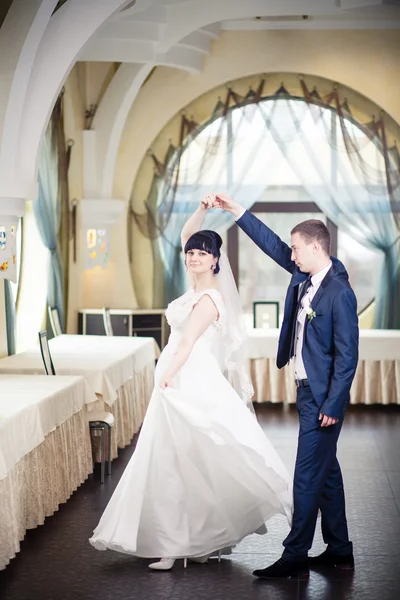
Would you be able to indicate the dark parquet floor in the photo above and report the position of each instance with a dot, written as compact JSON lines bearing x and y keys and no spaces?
{"x":56,"y":561}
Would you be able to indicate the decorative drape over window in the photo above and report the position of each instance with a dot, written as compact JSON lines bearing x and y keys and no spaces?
{"x":347,"y":168}
{"x":51,"y":207}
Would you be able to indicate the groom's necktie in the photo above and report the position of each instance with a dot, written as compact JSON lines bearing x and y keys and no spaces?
{"x":303,"y":292}
{"x":306,"y":286}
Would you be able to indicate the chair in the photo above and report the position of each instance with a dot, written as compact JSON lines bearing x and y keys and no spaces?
{"x":55,"y":321}
{"x":107,"y":321}
{"x":98,"y":421}
{"x":45,"y":352}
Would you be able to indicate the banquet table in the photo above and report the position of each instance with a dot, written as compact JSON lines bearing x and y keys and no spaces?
{"x":377,"y":379}
{"x":118,"y":370}
{"x":45,"y":450}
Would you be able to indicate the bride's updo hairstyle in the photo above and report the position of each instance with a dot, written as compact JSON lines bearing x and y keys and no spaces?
{"x":207,"y":240}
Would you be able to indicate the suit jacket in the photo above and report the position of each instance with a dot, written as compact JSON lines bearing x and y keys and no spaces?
{"x":330,"y":346}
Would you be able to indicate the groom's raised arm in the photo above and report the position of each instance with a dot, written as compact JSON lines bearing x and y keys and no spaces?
{"x":260,"y":233}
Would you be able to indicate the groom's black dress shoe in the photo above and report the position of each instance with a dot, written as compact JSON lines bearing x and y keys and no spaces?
{"x":285,"y":569}
{"x":344,"y":562}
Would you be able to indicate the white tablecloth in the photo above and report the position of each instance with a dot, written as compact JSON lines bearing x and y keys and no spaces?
{"x":375,"y":344}
{"x":377,"y":379}
{"x":45,"y":451}
{"x":31,"y":406}
{"x":107,"y":363}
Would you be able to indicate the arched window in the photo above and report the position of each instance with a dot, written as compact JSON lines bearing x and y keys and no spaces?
{"x":287,"y":160}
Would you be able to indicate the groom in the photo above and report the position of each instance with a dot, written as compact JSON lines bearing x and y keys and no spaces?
{"x":320,"y":334}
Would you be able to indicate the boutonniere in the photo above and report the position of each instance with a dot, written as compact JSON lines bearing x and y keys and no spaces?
{"x":310,"y":313}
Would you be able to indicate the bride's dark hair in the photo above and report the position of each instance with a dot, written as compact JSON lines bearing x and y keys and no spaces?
{"x":207,"y":240}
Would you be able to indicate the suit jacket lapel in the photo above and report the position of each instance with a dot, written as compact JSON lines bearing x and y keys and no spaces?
{"x":321,"y":289}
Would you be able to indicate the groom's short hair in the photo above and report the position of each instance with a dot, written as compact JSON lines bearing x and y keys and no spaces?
{"x":314,"y":230}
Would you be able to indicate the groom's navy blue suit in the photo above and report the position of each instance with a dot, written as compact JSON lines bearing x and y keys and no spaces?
{"x":330,"y":355}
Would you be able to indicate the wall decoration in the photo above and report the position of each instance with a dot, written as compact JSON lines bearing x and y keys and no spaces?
{"x":8,"y":247}
{"x":3,"y":237}
{"x":97,"y":217}
{"x":97,"y":253}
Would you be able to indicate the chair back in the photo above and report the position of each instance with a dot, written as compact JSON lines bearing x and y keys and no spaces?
{"x":45,"y":351}
{"x":107,"y":321}
{"x":55,"y":321}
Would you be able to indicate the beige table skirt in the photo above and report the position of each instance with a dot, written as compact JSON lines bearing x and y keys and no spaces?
{"x":375,"y":382}
{"x":42,"y":480}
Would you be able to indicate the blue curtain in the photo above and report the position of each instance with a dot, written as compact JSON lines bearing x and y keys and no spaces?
{"x":387,"y":307}
{"x":10,"y":316}
{"x":47,"y":210}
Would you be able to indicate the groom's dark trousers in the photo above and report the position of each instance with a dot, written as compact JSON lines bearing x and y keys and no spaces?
{"x":317,"y":484}
{"x":330,"y":355}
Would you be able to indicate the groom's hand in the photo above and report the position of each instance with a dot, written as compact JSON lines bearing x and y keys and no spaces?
{"x":227,"y":203}
{"x":327,"y":421}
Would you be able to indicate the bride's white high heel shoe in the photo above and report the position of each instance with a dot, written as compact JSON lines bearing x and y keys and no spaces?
{"x":165,"y":564}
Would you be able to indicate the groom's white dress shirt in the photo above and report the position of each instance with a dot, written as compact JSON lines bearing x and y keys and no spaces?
{"x":316,"y":280}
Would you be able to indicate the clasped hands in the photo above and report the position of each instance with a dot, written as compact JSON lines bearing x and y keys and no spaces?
{"x":210,"y":201}
{"x":219,"y":200}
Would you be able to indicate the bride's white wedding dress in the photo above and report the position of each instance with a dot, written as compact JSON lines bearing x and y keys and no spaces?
{"x":203,"y":475}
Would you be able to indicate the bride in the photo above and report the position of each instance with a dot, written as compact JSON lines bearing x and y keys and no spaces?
{"x":203,"y":475}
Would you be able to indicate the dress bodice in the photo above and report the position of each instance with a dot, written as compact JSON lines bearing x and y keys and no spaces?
{"x":179,"y":311}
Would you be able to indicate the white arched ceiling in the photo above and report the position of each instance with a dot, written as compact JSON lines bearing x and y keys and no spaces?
{"x":178,"y":33}
{"x":43,"y":47}
{"x":69,"y":29}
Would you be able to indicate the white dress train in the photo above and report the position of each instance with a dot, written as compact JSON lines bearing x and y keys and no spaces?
{"x":203,"y":475}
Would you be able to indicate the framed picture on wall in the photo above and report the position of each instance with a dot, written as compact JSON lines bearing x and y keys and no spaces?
{"x":266,"y":315}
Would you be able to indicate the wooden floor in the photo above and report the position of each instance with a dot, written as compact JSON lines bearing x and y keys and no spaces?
{"x":56,"y":561}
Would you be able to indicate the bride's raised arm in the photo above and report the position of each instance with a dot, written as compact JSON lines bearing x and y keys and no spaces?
{"x":194,"y":223}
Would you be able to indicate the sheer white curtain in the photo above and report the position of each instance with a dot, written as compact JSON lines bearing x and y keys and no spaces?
{"x":355,"y":199}
{"x":341,"y":168}
{"x":230,"y":154}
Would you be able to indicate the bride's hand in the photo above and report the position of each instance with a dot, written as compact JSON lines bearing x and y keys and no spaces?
{"x":165,"y":381}
{"x":207,"y":202}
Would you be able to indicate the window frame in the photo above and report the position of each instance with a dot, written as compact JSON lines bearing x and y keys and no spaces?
{"x":276,"y":207}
